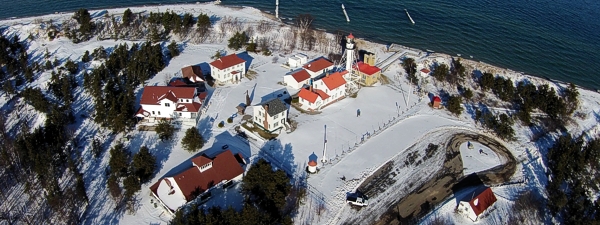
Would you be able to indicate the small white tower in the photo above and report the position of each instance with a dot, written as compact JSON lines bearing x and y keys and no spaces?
{"x":350,"y":52}
{"x":276,"y":8}
{"x":312,"y":166}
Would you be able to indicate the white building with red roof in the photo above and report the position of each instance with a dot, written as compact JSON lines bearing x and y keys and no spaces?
{"x":323,"y":92}
{"x":228,"y":69}
{"x":318,"y":67}
{"x":297,"y":79}
{"x":424,"y":72}
{"x":479,"y":201}
{"x":167,"y":102}
{"x":205,"y":174}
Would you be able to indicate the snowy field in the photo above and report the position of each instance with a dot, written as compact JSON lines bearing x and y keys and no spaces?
{"x":479,"y":158}
{"x":393,"y":120}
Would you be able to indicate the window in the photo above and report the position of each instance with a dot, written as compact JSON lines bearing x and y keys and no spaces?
{"x":179,"y":114}
{"x":282,"y":121}
{"x":276,"y":123}
{"x":159,"y":113}
{"x":187,"y":100}
{"x":152,"y":112}
{"x":275,"y":117}
{"x":193,"y":115}
{"x":167,"y":105}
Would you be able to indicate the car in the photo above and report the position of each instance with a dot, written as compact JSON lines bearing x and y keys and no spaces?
{"x":357,"y":199}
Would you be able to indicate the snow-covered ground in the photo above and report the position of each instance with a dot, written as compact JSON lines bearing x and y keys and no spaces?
{"x":393,"y":120}
{"x":479,"y":158}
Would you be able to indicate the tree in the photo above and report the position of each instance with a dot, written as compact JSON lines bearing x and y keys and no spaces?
{"x":570,"y":95}
{"x":144,"y":164}
{"x":80,"y":187}
{"x":440,"y":72}
{"x":131,"y":184}
{"x":127,"y":16}
{"x":97,"y":148}
{"x":251,"y":46}
{"x":203,"y":23}
{"x":454,"y":105}
{"x":173,"y":49}
{"x":467,"y":93}
{"x":487,"y":81}
{"x":193,"y":140}
{"x":411,"y":69}
{"x":304,"y":22}
{"x":8,"y":87}
{"x":86,"y":57}
{"x":71,"y":66}
{"x":165,"y":130}
{"x":119,"y":160}
{"x":268,"y":194}
{"x":217,"y":55}
{"x":48,"y":65}
{"x":82,"y":16}
{"x":114,"y":188}
{"x":238,"y":41}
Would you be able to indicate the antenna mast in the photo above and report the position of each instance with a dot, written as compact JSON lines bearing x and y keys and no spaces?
{"x":324,"y":159}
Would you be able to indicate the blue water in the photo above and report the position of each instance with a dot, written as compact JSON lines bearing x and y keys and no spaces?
{"x":558,"y":39}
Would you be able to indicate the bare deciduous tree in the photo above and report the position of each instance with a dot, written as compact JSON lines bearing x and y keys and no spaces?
{"x":304,"y":22}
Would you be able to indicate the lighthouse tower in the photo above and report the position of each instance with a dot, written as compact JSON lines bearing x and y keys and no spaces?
{"x":350,"y":47}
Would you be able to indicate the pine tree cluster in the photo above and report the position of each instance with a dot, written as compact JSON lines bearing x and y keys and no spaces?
{"x":112,"y":84}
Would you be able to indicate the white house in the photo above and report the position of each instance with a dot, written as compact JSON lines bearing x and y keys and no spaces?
{"x":205,"y":174}
{"x":297,"y":79}
{"x":271,"y":115}
{"x":323,"y":92}
{"x":228,"y":69}
{"x":477,"y":203}
{"x":318,"y":67}
{"x":297,"y":60}
{"x":166,"y":102}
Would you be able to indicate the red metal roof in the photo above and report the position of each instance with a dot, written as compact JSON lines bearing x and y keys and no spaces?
{"x":350,"y":36}
{"x":318,"y":65}
{"x":178,"y":83}
{"x":227,"y":61}
{"x":312,"y":163}
{"x":142,"y":113}
{"x":311,"y":96}
{"x":321,"y":94}
{"x":192,"y":182}
{"x":425,"y":70}
{"x":335,"y":80}
{"x":153,"y":94}
{"x":301,"y":75}
{"x":201,"y":160}
{"x":482,"y":201}
{"x":437,"y":99}
{"x":202,"y":95}
{"x":307,"y":95}
{"x":366,"y":68}
{"x":194,"y":73}
{"x":188,"y":107}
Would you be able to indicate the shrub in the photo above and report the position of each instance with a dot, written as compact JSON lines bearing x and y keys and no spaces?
{"x":221,"y":124}
{"x":230,"y":120}
{"x":165,"y":130}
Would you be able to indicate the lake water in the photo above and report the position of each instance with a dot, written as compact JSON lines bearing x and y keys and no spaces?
{"x":558,"y":39}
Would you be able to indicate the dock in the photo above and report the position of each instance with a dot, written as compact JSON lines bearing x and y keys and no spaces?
{"x":410,"y":18}
{"x":346,"y":14}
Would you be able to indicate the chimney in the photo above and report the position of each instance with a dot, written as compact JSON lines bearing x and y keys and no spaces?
{"x":311,"y":84}
{"x":266,"y":123}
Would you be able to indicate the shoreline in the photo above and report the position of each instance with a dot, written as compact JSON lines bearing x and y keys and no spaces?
{"x":505,"y":72}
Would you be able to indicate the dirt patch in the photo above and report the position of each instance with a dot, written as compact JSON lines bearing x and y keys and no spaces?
{"x":422,"y":199}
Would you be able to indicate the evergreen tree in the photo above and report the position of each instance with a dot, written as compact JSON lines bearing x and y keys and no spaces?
{"x":188,"y":21}
{"x":487,"y":81}
{"x":411,"y":69}
{"x":97,"y":148}
{"x":251,"y":46}
{"x":131,"y":184}
{"x":71,"y":66}
{"x":119,"y":160}
{"x":80,"y":187}
{"x":114,"y":188}
{"x":144,"y":164}
{"x":29,"y":74}
{"x":86,"y":57}
{"x":165,"y":130}
{"x":268,"y":194}
{"x":127,"y":16}
{"x":173,"y":49}
{"x":193,"y":140}
{"x":203,"y":23}
{"x":8,"y":88}
{"x":467,"y":93}
{"x":238,"y":41}
{"x":48,"y":65}
{"x":83,"y":17}
{"x":454,"y":105}
{"x":441,"y":72}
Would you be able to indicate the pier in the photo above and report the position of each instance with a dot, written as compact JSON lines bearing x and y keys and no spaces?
{"x":410,"y":18}
{"x":346,"y":14}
